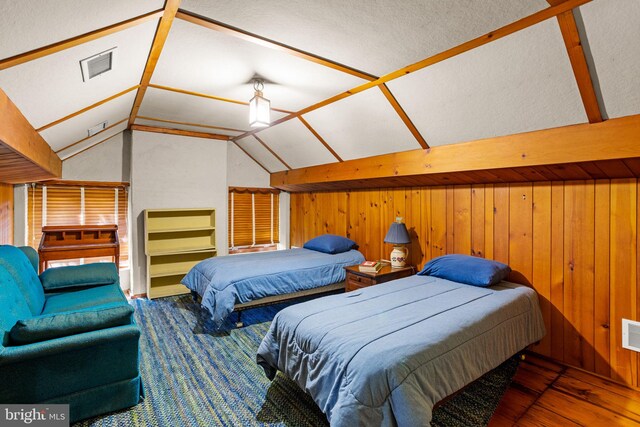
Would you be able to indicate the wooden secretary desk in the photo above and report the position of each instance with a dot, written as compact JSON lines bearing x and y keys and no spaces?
{"x":78,"y":241}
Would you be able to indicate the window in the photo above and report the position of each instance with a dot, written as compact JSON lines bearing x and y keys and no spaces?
{"x":253,"y":219}
{"x":71,"y":203}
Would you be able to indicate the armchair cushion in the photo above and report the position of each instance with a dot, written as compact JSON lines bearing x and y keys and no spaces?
{"x":20,"y":268}
{"x":101,"y":273}
{"x":84,"y":298}
{"x":50,"y":326}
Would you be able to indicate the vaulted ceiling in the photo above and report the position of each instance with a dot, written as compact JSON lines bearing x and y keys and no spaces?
{"x":346,"y":80}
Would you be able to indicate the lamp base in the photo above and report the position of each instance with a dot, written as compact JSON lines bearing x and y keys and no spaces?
{"x":399,"y":256}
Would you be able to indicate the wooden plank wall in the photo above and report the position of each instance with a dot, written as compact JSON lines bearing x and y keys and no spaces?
{"x":6,"y":214}
{"x":575,"y":242}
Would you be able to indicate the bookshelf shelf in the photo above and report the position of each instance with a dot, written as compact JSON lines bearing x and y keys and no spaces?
{"x":175,"y":241}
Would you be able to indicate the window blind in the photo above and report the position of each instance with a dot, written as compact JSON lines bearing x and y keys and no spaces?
{"x":253,"y":217}
{"x":78,"y":205}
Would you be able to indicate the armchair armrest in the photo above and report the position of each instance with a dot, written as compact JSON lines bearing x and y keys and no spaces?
{"x":101,"y":273}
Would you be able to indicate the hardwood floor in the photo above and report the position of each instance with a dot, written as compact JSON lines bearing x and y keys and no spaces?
{"x":544,"y":393}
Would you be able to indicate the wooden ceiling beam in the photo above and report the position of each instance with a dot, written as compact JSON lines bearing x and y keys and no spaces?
{"x":170,"y":131}
{"x":84,"y":110}
{"x":24,"y":150}
{"x":251,"y":157}
{"x":92,"y":136}
{"x":75,"y":41}
{"x":175,"y":122}
{"x":608,"y":140}
{"x":272,"y":152}
{"x":571,"y":37}
{"x":217,"y":98}
{"x":403,"y":115}
{"x":164,"y":26}
{"x":322,"y":141}
{"x":501,"y":32}
{"x":263,"y":41}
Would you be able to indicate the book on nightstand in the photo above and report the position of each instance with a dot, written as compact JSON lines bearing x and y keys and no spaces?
{"x":370,"y":266}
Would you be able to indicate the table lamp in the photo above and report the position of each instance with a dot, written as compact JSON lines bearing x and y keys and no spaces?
{"x":398,"y":236}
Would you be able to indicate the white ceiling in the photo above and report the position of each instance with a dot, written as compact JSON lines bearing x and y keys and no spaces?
{"x":220,"y":64}
{"x":376,"y":37}
{"x":29,"y":24}
{"x":51,"y":87}
{"x":362,"y":125}
{"x":258,"y":152}
{"x":108,"y":134}
{"x":296,"y":145}
{"x":520,"y":83}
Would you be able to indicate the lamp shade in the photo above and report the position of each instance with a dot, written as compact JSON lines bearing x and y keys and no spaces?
{"x":397,"y":234}
{"x":259,"y":109}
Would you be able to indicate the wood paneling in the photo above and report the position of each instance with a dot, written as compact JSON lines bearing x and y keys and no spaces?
{"x":6,"y":214}
{"x":575,"y":242}
{"x":524,"y":157}
{"x":24,"y":155}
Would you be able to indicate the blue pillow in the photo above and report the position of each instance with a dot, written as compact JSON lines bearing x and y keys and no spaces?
{"x":330,"y":244}
{"x":57,"y":325}
{"x":467,"y":269}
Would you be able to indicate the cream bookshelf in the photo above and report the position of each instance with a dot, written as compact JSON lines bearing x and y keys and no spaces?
{"x":175,"y":241}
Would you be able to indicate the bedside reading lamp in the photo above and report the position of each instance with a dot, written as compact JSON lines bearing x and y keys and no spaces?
{"x":398,"y":236}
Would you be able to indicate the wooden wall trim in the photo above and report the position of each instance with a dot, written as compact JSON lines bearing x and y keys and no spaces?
{"x":6,"y":214}
{"x":169,"y":131}
{"x":30,"y":149}
{"x":89,"y":147}
{"x":612,"y":139}
{"x":170,"y":9}
{"x":508,"y":29}
{"x":75,"y":41}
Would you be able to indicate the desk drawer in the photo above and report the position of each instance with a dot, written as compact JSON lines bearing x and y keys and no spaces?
{"x":352,"y":285}
{"x":361,"y":280}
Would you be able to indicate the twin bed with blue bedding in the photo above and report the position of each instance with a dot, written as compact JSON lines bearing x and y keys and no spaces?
{"x":228,"y":281}
{"x":386,"y":354}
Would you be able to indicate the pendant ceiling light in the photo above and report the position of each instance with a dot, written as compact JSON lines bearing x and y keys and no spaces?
{"x":259,"y":107}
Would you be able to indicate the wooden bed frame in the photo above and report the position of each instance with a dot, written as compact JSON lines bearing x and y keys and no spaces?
{"x":276,"y":299}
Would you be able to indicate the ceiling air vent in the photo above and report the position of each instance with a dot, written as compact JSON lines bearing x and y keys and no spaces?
{"x":96,"y":65}
{"x":97,"y":128}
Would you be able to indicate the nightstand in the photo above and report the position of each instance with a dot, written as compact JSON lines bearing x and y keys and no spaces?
{"x":356,"y":279}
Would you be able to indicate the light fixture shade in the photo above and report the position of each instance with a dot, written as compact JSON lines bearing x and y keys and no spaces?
{"x":397,"y":234}
{"x":259,"y":111}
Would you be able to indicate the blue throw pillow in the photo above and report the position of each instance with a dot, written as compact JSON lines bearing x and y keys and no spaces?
{"x":50,"y":326}
{"x":467,"y":269}
{"x":330,"y":244}
{"x":99,"y":273}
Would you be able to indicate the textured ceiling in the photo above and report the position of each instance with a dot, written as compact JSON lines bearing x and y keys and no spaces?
{"x":518,"y":83}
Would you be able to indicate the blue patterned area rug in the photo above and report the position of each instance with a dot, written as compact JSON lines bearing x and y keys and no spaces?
{"x":195,"y":376}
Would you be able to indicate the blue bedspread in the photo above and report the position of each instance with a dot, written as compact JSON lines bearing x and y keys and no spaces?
{"x":384,"y":355}
{"x":225,"y":281}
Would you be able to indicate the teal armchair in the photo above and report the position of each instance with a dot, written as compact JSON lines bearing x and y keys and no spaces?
{"x":67,"y":336}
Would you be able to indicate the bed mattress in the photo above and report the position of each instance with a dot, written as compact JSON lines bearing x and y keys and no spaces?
{"x":384,"y":355}
{"x":225,"y":281}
